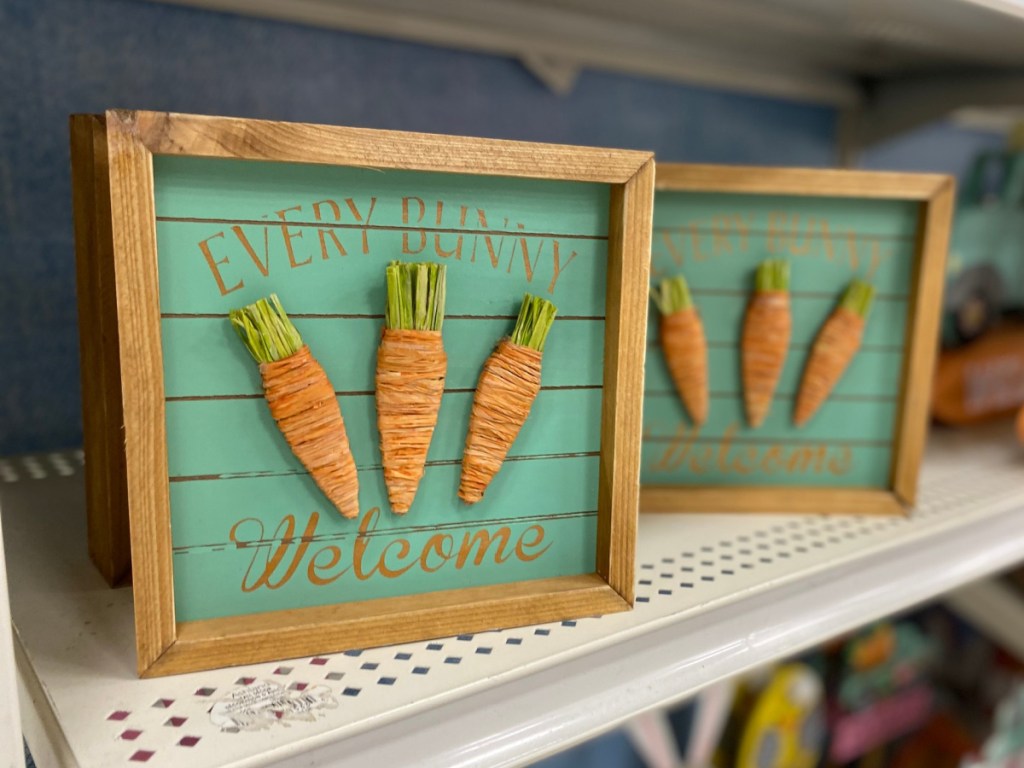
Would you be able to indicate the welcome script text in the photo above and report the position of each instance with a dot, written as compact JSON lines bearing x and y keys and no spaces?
{"x":287,"y":553}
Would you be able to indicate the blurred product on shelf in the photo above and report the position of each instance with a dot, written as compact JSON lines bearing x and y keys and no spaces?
{"x":1005,"y":747}
{"x":778,"y":721}
{"x":986,"y":256}
{"x":983,"y":380}
{"x":879,"y":690}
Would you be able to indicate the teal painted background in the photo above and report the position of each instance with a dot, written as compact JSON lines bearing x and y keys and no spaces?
{"x":716,"y":241}
{"x":229,"y":467}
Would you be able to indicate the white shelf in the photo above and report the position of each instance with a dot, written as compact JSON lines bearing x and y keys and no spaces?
{"x":763,"y":587}
{"x":897,"y":63}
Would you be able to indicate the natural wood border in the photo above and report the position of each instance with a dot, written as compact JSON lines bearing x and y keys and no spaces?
{"x":102,"y":418}
{"x":306,"y":631}
{"x":176,"y":134}
{"x":771,"y":499}
{"x":935,"y":193}
{"x":167,"y":647}
{"x":923,"y":319}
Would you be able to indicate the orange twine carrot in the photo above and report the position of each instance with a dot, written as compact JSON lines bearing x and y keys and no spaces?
{"x":765,"y":342}
{"x":303,"y":403}
{"x":686,"y":353}
{"x":411,"y":368}
{"x":505,"y":393}
{"x":834,"y":348}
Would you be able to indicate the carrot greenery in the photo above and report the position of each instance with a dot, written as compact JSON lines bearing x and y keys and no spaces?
{"x":505,"y":392}
{"x":415,"y":296}
{"x":265,"y":330}
{"x":301,"y":399}
{"x":834,"y":348}
{"x":411,"y":367}
{"x":672,"y":295}
{"x":684,"y":345}
{"x":765,"y":342}
{"x":858,"y":298}
{"x":773,"y":275}
{"x":535,"y":318}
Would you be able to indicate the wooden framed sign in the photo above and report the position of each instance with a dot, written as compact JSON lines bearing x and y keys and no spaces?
{"x":237,"y":555}
{"x":803,"y":405}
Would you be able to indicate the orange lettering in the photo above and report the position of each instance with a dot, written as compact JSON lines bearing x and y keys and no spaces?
{"x":289,"y":236}
{"x":403,"y":547}
{"x":284,"y":535}
{"x":842,"y":464}
{"x":324,"y":232}
{"x":366,"y":526}
{"x":262,"y":266}
{"x":205,"y":248}
{"x":483,"y":539}
{"x":314,"y":566}
{"x":434,"y":545}
{"x":557,"y":263}
{"x":522,"y":544}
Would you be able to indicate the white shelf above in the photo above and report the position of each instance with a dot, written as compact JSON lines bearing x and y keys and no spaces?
{"x":717,"y":595}
{"x":896,"y":62}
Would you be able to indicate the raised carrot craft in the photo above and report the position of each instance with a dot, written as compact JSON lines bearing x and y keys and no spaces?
{"x":301,"y":400}
{"x":834,"y":347}
{"x":505,"y":392}
{"x":684,"y":345}
{"x":411,"y":366}
{"x":766,"y":329}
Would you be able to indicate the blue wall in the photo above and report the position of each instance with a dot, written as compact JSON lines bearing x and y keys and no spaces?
{"x":64,"y":56}
{"x":939,"y":148}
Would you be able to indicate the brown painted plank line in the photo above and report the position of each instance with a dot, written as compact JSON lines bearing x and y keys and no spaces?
{"x":363,"y":393}
{"x":341,"y":316}
{"x":367,"y":467}
{"x":839,"y":233}
{"x":768,"y":441}
{"x":893,"y":348}
{"x":853,"y":398}
{"x":731,"y":292}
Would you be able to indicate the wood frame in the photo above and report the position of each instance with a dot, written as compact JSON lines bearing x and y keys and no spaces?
{"x":125,"y":437}
{"x":935,"y":194}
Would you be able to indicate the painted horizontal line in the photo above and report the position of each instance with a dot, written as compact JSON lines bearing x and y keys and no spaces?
{"x":359,"y":316}
{"x":391,"y":531}
{"x":853,"y":398}
{"x":768,"y":441}
{"x":894,"y":297}
{"x":886,"y":348}
{"x":379,"y":227}
{"x":840,"y":234}
{"x":363,"y":393}
{"x":368,"y":468}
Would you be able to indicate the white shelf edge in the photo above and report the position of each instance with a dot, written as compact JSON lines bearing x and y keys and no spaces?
{"x":537,"y":715}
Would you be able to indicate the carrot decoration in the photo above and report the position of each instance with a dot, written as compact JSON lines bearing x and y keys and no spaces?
{"x":505,"y":392}
{"x":411,"y":366}
{"x":684,"y":345}
{"x":301,"y":400}
{"x":834,"y":347}
{"x":766,"y":329}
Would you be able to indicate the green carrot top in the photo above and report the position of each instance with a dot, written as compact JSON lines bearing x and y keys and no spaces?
{"x":535,"y":319}
{"x":265,"y":329}
{"x":415,"y":296}
{"x":857,"y":297}
{"x":773,"y":275}
{"x":672,"y":295}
